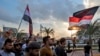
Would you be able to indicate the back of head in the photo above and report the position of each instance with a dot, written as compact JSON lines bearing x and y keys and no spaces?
{"x":17,"y":44}
{"x":27,"y":41}
{"x":6,"y":34}
{"x":33,"y":45}
{"x":62,"y":40}
{"x":8,"y":41}
{"x":45,"y":39}
{"x":88,"y":43}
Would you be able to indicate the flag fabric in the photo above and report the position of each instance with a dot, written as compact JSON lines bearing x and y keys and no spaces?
{"x":27,"y":18}
{"x":82,"y":18}
{"x":73,"y":22}
{"x":86,"y":15}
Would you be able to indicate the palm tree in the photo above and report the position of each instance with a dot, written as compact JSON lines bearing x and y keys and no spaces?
{"x":48,"y":31}
{"x":92,"y":28}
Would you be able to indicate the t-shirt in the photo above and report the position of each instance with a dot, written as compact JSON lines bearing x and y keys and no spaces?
{"x":87,"y":48}
{"x":60,"y":51}
{"x":46,"y":51}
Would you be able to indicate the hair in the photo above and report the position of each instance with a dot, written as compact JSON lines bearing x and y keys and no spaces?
{"x":88,"y":42}
{"x":62,"y":40}
{"x":8,"y":41}
{"x":57,"y":42}
{"x":45,"y":39}
{"x":32,"y":46}
{"x":27,"y":41}
{"x":17,"y":44}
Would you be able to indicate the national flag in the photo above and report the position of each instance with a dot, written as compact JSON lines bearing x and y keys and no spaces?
{"x":86,"y":15}
{"x":27,"y":18}
{"x":73,"y":23}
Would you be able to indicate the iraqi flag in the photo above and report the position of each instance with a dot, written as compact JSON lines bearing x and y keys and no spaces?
{"x":27,"y":18}
{"x":86,"y":15}
{"x":73,"y":23}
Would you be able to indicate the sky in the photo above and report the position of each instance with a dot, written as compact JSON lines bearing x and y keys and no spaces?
{"x":49,"y":13}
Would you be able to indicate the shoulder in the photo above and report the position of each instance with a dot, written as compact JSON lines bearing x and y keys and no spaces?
{"x":3,"y":53}
{"x":58,"y":48}
{"x":43,"y":49}
{"x":12,"y":54}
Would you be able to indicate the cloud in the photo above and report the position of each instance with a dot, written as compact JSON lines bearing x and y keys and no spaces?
{"x":42,"y":9}
{"x":5,"y":16}
{"x":94,"y":3}
{"x":50,"y":13}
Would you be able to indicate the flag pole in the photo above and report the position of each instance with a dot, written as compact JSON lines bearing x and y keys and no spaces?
{"x":40,"y":30}
{"x":18,"y":28}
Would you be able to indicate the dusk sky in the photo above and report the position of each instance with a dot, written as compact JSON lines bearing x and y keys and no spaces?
{"x":49,"y":13}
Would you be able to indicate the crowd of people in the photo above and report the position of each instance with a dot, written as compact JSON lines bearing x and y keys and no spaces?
{"x":10,"y":47}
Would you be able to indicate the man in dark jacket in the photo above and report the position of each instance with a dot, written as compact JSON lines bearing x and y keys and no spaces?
{"x":99,"y":44}
{"x":87,"y":49}
{"x":60,"y":50}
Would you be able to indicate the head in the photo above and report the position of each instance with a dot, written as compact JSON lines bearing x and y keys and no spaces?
{"x":18,"y":47}
{"x":88,"y":43}
{"x":62,"y":42}
{"x":58,"y":43}
{"x":52,"y":41}
{"x":6,"y":34}
{"x":47,"y":40}
{"x":8,"y":45}
{"x":33,"y":49}
{"x":27,"y":42}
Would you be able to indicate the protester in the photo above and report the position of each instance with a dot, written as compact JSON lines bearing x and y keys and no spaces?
{"x":3,"y":38}
{"x":68,"y":45}
{"x":87,"y":49}
{"x":53,"y":46}
{"x":74,"y":42}
{"x":33,"y":49}
{"x":18,"y":49}
{"x":57,"y":43}
{"x":60,"y":49}
{"x":25,"y":45}
{"x":99,"y":44}
{"x":7,"y":48}
{"x":46,"y":50}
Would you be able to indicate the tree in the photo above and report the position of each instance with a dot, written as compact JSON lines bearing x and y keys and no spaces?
{"x":48,"y":31}
{"x":92,"y":28}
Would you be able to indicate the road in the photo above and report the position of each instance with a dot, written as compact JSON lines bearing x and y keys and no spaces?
{"x":81,"y":53}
